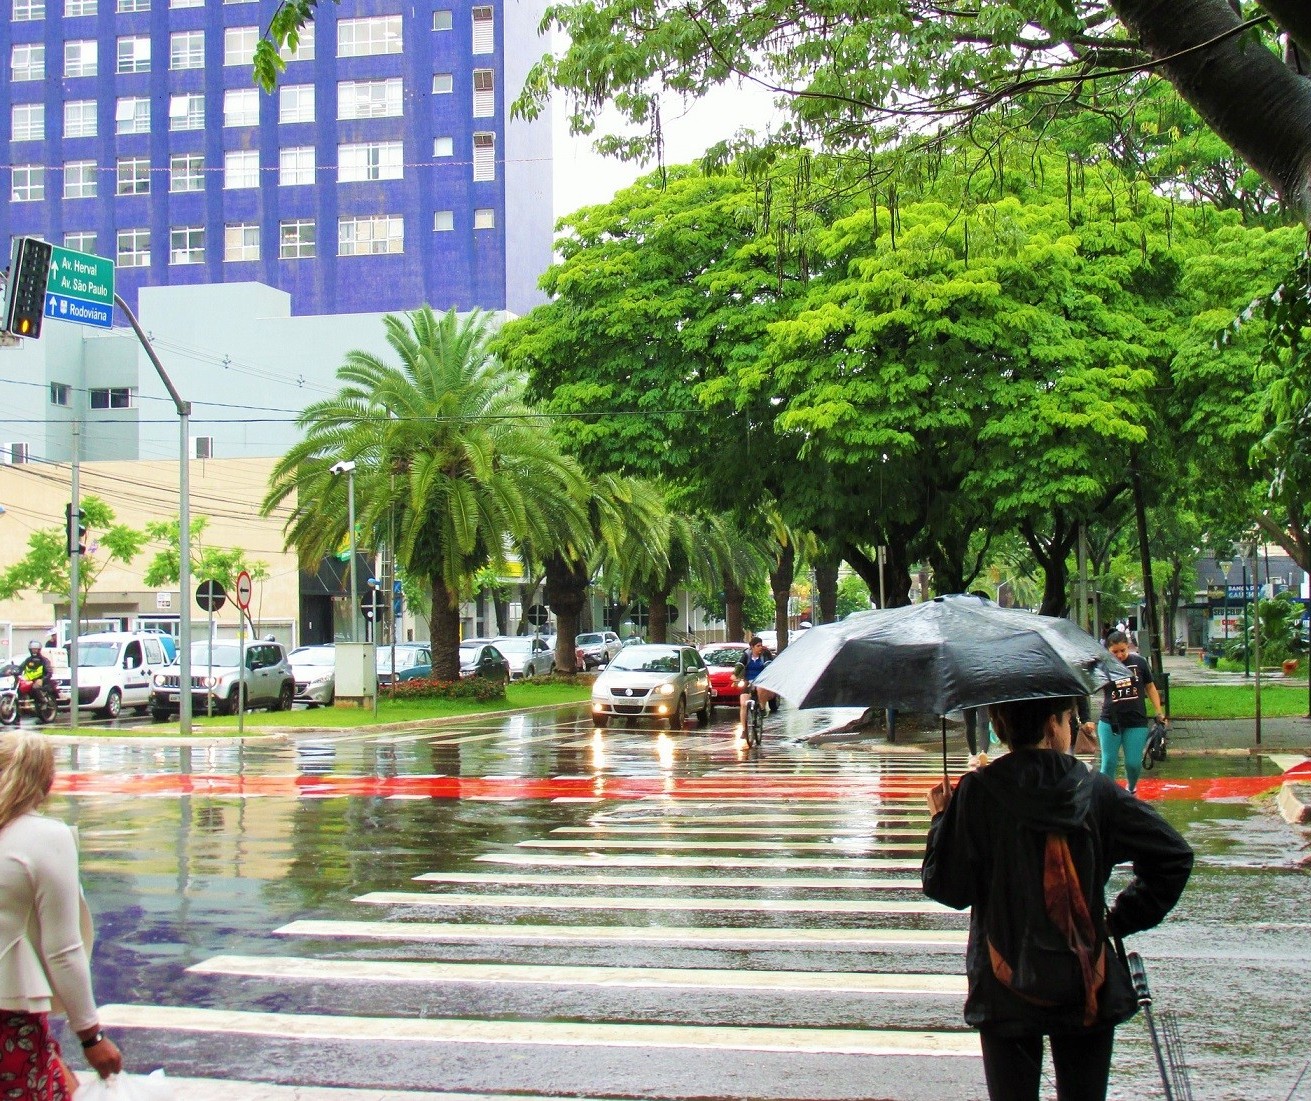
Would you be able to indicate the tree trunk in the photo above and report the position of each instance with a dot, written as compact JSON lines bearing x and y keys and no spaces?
{"x":780,"y":582}
{"x":501,"y":607}
{"x":1151,"y":621}
{"x":566,"y":593}
{"x":734,"y":597}
{"x":658,"y":615}
{"x":444,"y":628}
{"x":1244,"y":92}
{"x":1052,"y":553}
{"x":826,"y":581}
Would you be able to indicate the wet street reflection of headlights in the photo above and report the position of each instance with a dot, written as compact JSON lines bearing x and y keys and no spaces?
{"x":598,"y":750}
{"x":665,"y":750}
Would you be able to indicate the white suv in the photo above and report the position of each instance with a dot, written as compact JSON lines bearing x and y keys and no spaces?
{"x":114,"y":671}
{"x":216,"y":674}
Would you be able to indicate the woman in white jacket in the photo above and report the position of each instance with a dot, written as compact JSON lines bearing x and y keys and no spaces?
{"x":44,"y":933}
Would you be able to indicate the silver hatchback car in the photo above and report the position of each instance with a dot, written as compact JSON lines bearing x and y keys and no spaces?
{"x":653,"y":681}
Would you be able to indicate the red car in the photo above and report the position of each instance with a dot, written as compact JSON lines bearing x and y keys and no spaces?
{"x":723,"y":658}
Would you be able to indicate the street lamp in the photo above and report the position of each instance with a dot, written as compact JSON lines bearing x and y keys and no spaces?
{"x":1224,"y":567}
{"x":348,"y":468}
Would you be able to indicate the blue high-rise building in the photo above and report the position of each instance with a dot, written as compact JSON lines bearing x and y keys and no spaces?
{"x":382,"y":173}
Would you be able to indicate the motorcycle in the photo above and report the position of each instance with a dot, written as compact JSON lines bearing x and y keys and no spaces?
{"x":19,"y":695}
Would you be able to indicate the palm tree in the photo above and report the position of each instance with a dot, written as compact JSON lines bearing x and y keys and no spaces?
{"x":699,"y":548}
{"x":445,"y":450}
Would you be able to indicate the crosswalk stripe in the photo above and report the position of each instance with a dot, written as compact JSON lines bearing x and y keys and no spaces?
{"x":638,"y":860}
{"x":743,"y":831}
{"x":674,"y":936}
{"x":228,"y":1089}
{"x":679,"y":815}
{"x":580,"y":902}
{"x":307,"y":1026}
{"x":720,"y":846}
{"x":763,"y":883}
{"x":691,"y":978}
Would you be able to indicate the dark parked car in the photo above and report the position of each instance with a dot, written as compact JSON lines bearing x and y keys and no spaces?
{"x":413,"y":662}
{"x":482,"y":659}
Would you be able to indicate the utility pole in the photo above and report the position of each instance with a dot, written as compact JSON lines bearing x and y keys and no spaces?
{"x":73,"y":522}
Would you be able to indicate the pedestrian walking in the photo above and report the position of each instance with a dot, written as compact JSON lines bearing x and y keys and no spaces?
{"x":45,"y":933}
{"x":1028,"y":843}
{"x":1123,"y":722}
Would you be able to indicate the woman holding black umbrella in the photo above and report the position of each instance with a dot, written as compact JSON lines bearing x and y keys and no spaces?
{"x":1028,"y":843}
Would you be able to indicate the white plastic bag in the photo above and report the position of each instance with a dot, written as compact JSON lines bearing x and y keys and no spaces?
{"x":126,"y":1087}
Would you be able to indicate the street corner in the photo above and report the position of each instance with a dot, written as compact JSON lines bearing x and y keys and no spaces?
{"x":1294,"y":801}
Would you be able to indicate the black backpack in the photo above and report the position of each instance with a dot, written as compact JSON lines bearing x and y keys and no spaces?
{"x":1158,"y":744}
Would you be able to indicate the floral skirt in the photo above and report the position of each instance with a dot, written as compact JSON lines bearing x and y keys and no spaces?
{"x":31,"y":1068}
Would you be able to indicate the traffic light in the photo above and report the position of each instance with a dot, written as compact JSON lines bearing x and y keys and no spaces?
{"x":397,"y":598}
{"x":25,"y":290}
{"x":75,"y":529}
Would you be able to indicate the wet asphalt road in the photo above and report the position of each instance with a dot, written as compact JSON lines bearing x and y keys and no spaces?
{"x":197,"y":858}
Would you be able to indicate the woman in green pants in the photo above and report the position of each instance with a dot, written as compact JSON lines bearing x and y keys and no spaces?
{"x":1123,"y":722}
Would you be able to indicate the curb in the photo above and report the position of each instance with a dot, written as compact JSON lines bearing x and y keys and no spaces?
{"x":1294,"y":802}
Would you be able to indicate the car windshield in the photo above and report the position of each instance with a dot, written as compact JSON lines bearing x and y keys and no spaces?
{"x":97,"y":655}
{"x":405,"y":657}
{"x":314,"y":655}
{"x":469,"y":654}
{"x":645,"y":660}
{"x":727,"y":656}
{"x":223,"y":654}
{"x":588,"y":640}
{"x":522,"y":645}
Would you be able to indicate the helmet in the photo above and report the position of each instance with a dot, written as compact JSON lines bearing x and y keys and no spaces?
{"x":34,"y":647}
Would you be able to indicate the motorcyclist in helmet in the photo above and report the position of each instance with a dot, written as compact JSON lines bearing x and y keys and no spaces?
{"x":38,"y":672}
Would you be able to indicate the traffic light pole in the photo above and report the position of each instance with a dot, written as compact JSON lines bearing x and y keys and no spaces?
{"x":72,"y":524}
{"x":184,"y":521}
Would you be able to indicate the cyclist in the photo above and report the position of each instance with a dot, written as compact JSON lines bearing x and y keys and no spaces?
{"x":757,"y":658}
{"x":38,"y":671}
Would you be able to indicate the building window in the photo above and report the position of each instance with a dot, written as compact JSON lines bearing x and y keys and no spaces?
{"x":186,"y":50}
{"x":304,"y":50}
{"x":80,"y":180}
{"x":28,"y":183}
{"x":443,"y":84}
{"x":133,"y":250}
{"x":60,"y":393}
{"x":369,"y":99}
{"x":484,"y":218}
{"x":373,"y":160}
{"x":442,"y":20}
{"x":80,"y":58}
{"x":17,"y":453}
{"x":74,"y":8}
{"x":241,"y":107}
{"x":132,"y":115}
{"x":484,"y":93}
{"x":296,"y":166}
{"x":134,"y":54}
{"x":240,"y":169}
{"x":111,"y":397}
{"x":372,"y":235}
{"x":133,"y":176}
{"x":187,"y":111}
{"x":296,"y":103}
{"x":443,"y":147}
{"x":186,"y":245}
{"x":239,"y":45}
{"x":205,"y":444}
{"x":379,"y":34}
{"x":27,"y":122}
{"x":484,"y":30}
{"x":27,"y":61}
{"x":484,"y":156}
{"x":186,"y":172}
{"x":80,"y":118}
{"x":25,"y":11}
{"x":186,"y":3}
{"x":133,"y":5}
{"x":83,"y":241}
{"x":240,"y":242}
{"x":443,"y":221}
{"x":296,"y":239}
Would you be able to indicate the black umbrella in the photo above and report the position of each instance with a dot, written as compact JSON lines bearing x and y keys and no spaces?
{"x":944,"y":655}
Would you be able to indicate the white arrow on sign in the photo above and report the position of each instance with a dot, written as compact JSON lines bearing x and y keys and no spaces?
{"x":243,"y":589}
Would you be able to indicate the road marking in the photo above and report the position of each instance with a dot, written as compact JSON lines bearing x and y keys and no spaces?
{"x":691,"y":978}
{"x":213,"y":1089}
{"x":584,"y":902}
{"x":719,"y":846}
{"x":764,"y":883}
{"x":745,"y":831}
{"x":637,"y":860}
{"x":673,"y":937}
{"x":677,"y":815}
{"x":305,"y":1026}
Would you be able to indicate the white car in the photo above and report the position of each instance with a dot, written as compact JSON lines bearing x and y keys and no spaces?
{"x":528,"y":656}
{"x":114,"y":671}
{"x":315,"y":668}
{"x":653,"y":681}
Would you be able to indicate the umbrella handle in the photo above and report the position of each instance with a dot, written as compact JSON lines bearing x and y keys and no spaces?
{"x":946,"y":777}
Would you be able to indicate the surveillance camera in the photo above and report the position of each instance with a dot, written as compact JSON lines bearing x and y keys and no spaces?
{"x":342,"y":467}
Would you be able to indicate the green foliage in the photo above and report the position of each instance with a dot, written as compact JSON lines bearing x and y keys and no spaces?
{"x":853,"y":596}
{"x":208,"y":563}
{"x":481,"y":689}
{"x":1281,"y":616}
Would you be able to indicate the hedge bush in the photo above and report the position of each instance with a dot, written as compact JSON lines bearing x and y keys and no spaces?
{"x":482,"y":689}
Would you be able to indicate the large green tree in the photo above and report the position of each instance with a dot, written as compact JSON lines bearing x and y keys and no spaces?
{"x":446,"y":456}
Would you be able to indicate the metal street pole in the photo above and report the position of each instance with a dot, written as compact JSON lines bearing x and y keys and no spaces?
{"x":350,"y":519}
{"x":1256,"y":641}
{"x":74,"y":576}
{"x":1247,"y":642}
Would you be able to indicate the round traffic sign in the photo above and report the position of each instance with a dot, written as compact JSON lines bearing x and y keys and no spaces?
{"x":538,"y":616}
{"x":243,"y":590}
{"x":211,"y":596}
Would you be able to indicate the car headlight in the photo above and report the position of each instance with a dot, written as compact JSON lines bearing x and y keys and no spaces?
{"x":159,"y":680}
{"x":320,"y":680}
{"x":667,"y":689}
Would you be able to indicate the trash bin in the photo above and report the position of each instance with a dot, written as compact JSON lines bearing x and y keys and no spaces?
{"x":1211,"y":660}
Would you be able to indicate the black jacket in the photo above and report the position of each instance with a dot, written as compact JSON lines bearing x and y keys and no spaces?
{"x":1050,"y":791}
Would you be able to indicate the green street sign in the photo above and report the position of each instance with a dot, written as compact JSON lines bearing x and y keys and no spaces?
{"x":81,"y":276}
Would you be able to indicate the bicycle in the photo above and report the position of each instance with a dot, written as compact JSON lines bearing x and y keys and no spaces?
{"x":754,"y":728}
